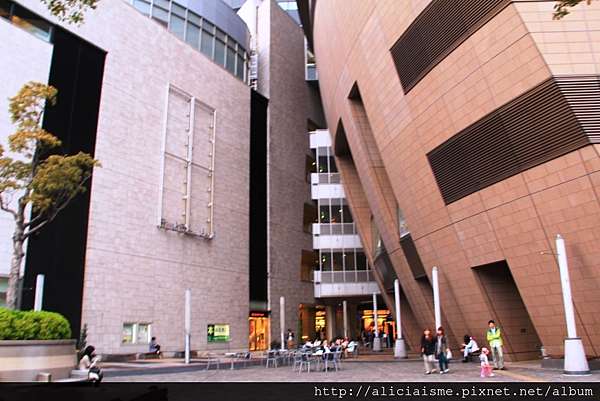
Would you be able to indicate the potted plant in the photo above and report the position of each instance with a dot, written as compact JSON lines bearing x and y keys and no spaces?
{"x":34,"y":342}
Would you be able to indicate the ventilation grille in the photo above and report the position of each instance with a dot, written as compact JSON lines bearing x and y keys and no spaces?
{"x":436,"y":32}
{"x":556,"y":117}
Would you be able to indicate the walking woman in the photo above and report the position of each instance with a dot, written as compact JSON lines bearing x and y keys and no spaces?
{"x":441,"y":350}
{"x":427,"y":350}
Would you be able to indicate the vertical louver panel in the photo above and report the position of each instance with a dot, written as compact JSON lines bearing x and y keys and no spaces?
{"x":556,"y":117}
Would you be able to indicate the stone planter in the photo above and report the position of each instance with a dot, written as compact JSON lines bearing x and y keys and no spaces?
{"x":23,"y":360}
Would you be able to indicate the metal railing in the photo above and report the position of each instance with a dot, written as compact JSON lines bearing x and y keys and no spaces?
{"x":350,"y":276}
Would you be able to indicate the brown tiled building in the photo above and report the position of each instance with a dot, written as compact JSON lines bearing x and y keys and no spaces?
{"x":467,"y":138}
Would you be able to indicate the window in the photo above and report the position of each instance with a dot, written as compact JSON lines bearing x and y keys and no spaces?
{"x":361,"y":261}
{"x":192,"y":35}
{"x":160,"y":14}
{"x":186,"y":203}
{"x":142,"y":6}
{"x":241,"y":66}
{"x":177,"y":26}
{"x":346,"y":215}
{"x":31,"y":23}
{"x":402,"y":226}
{"x":230,"y":59}
{"x":206,"y":45}
{"x":135,"y":333}
{"x":338,"y":261}
{"x":198,"y":32}
{"x":324,"y":216}
{"x":219,"y":52}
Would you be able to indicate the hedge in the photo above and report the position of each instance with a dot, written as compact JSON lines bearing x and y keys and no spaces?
{"x":32,"y":325}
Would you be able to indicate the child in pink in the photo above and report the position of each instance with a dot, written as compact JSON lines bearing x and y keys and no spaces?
{"x":486,"y":368}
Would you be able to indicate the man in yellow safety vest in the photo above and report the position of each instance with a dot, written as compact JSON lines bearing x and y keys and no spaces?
{"x":494,"y":338}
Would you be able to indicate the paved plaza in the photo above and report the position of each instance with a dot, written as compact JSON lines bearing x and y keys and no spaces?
{"x":364,"y":371}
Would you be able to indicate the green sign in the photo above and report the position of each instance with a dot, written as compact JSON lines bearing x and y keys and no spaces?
{"x":217,"y":333}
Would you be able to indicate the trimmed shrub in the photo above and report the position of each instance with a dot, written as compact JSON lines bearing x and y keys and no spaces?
{"x":32,"y":325}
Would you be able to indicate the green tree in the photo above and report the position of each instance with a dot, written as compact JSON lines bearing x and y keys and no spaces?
{"x":36,"y":184}
{"x":561,"y":8}
{"x":71,"y":11}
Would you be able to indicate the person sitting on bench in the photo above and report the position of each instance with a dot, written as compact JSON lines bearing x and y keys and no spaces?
{"x":154,"y":347}
{"x":469,"y":347}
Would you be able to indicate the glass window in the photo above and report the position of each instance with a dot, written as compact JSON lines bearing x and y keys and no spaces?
{"x":361,"y":261}
{"x":349,"y":259}
{"x":177,"y":10}
{"x":402,"y":226}
{"x":338,"y":261}
{"x":323,"y":168}
{"x":162,"y":3}
{"x":332,"y":165}
{"x":317,"y":265}
{"x":192,"y":35}
{"x":194,"y":18}
{"x":221,"y":35}
{"x":230,"y":60}
{"x":177,"y":26}
{"x":160,"y":15}
{"x":336,"y":213}
{"x":207,"y":43}
{"x":347,"y":216}
{"x":208,"y":27}
{"x":31,"y":23}
{"x":143,"y":333}
{"x":324,"y":216}
{"x":127,"y":333}
{"x":219,"y":52}
{"x":142,"y":6}
{"x":240,"y":66}
{"x":326,"y":261}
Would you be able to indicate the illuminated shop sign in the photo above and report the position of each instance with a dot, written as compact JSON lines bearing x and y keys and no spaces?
{"x":217,"y":333}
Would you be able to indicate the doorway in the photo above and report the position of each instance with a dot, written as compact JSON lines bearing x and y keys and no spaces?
{"x":521,"y":341}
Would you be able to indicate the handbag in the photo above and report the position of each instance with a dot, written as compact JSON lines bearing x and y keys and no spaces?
{"x":448,"y":354}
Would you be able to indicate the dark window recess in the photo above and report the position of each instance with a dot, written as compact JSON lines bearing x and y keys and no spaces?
{"x":440,"y":28}
{"x":384,"y":267}
{"x":412,"y":257}
{"x":558,"y":116}
{"x":258,"y":198}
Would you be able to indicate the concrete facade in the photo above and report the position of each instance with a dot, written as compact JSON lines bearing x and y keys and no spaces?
{"x":390,"y":133}
{"x":136,"y":272}
{"x":292,"y":103}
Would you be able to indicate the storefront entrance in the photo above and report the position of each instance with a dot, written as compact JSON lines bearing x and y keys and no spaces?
{"x":258,"y":339}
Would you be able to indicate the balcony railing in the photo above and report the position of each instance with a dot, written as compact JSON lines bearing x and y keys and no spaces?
{"x":329,"y":178}
{"x":351,"y":276}
{"x":336,"y":229}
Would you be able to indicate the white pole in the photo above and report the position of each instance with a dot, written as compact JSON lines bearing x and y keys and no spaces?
{"x":436,"y":297}
{"x":39,"y":292}
{"x":400,"y":346}
{"x":376,"y":339}
{"x":345,"y":306}
{"x":575,"y":361}
{"x":188,"y":323}
{"x":282,"y":320}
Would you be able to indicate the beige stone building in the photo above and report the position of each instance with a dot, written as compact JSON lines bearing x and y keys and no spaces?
{"x":163,"y":94}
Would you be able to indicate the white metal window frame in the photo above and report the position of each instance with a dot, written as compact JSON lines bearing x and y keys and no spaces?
{"x":134,"y":333}
{"x":189,"y":164}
